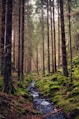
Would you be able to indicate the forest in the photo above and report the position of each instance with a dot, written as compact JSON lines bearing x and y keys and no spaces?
{"x":39,"y":59}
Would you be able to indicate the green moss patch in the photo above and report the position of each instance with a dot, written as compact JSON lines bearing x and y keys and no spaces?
{"x":24,"y":93}
{"x":60,"y":90}
{"x":1,"y":83}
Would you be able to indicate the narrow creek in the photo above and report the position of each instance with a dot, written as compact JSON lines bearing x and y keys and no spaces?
{"x":44,"y":105}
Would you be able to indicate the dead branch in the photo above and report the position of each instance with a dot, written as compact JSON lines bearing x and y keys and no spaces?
{"x":52,"y":113}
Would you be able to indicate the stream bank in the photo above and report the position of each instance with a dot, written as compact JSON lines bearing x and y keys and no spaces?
{"x":17,"y":107}
{"x":44,"y":105}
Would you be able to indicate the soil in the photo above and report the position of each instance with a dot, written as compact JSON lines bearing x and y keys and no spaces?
{"x":17,"y":107}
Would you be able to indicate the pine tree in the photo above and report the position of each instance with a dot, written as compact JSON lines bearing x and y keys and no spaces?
{"x":8,"y":87}
{"x":64,"y":56}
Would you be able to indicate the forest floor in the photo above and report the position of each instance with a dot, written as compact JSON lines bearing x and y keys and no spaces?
{"x":12,"y":107}
{"x":17,"y":106}
{"x":58,"y":88}
{"x":61,"y":91}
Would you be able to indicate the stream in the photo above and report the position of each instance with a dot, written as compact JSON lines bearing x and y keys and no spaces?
{"x":44,"y":105}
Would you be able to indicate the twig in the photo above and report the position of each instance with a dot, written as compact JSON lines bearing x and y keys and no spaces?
{"x":52,"y":113}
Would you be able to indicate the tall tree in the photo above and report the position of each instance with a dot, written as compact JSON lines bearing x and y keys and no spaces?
{"x":29,"y":37}
{"x":69,"y":19}
{"x":2,"y":34}
{"x":54,"y":35}
{"x":48,"y":36}
{"x":51,"y":21}
{"x":64,"y":56}
{"x":14,"y":35}
{"x":43,"y":36}
{"x":37,"y":59}
{"x":22,"y":64}
{"x":19,"y":41}
{"x":58,"y":35}
{"x":8,"y":87}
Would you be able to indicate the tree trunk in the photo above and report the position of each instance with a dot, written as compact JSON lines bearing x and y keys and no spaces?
{"x":58,"y":36}
{"x":48,"y":36}
{"x":19,"y":57}
{"x":2,"y":35}
{"x":51,"y":21}
{"x":64,"y":56}
{"x":14,"y":33}
{"x":69,"y":18}
{"x":54,"y":37}
{"x":43,"y":38}
{"x":8,"y":88}
{"x":22,"y":64}
{"x":37,"y":59}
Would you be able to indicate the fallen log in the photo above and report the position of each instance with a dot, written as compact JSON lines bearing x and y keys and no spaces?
{"x":52,"y":113}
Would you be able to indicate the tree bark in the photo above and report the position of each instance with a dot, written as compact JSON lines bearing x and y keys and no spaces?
{"x":69,"y":19}
{"x":54,"y":37}
{"x":43,"y":38}
{"x":22,"y":64}
{"x":64,"y":56}
{"x":58,"y":36}
{"x":48,"y":36}
{"x":37,"y":59}
{"x":19,"y":42}
{"x":51,"y":21}
{"x":2,"y":35}
{"x":8,"y":87}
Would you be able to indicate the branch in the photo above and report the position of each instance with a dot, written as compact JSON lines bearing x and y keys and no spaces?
{"x":52,"y":113}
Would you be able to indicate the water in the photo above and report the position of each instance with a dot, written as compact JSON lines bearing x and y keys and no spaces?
{"x":45,"y":106}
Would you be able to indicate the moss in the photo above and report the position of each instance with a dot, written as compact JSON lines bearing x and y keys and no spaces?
{"x":74,"y":92}
{"x":60,"y":90}
{"x":1,"y":83}
{"x":54,"y":88}
{"x":53,"y":84}
{"x":62,"y":102}
{"x":60,"y":79}
{"x":74,"y":99}
{"x":76,"y":61}
{"x":24,"y":93}
{"x":56,"y":98}
{"x":27,"y":80}
{"x":75,"y":84}
{"x":21,"y":110}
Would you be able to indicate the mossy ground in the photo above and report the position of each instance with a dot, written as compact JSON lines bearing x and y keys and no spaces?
{"x":61,"y":90}
{"x":19,"y":105}
{"x":58,"y":88}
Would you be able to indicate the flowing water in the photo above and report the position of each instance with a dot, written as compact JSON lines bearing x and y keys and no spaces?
{"x":44,"y":105}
